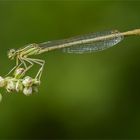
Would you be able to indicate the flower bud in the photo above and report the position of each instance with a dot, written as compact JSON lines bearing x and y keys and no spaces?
{"x":36,"y":82}
{"x":8,"y":78}
{"x":27,"y":81}
{"x":19,"y":86}
{"x":35,"y":88}
{"x":0,"y":97}
{"x":27,"y":91}
{"x":11,"y":85}
{"x":19,"y":73}
{"x":2,"y":82}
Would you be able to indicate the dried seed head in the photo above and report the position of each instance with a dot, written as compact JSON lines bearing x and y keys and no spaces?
{"x":19,"y":72}
{"x":11,"y":85}
{"x":27,"y":81}
{"x":19,"y":86}
{"x":2,"y":82}
{"x":27,"y":91}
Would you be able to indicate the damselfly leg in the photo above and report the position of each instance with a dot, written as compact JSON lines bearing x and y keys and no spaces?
{"x":32,"y":61}
{"x":41,"y":63}
{"x":16,"y":66}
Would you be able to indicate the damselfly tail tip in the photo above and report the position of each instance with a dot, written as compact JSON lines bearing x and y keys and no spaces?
{"x":137,"y":31}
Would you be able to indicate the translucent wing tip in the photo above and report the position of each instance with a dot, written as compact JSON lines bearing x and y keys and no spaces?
{"x":92,"y":45}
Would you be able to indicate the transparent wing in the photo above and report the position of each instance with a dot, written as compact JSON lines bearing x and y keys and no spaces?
{"x":85,"y":43}
{"x":95,"y":45}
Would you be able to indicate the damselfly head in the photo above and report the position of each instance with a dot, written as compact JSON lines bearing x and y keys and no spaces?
{"x":11,"y":53}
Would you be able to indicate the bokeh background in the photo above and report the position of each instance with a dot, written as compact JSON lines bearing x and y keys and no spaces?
{"x":81,"y":96}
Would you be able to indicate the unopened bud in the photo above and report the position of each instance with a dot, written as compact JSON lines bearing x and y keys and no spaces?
{"x":27,"y":91}
{"x":36,"y":82}
{"x":19,"y":86}
{"x":19,"y":73}
{"x":27,"y":81}
{"x":0,"y":97}
{"x":35,"y":88}
{"x":11,"y":86}
{"x":2,"y":82}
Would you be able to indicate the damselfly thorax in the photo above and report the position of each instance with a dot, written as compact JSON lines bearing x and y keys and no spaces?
{"x":29,"y":50}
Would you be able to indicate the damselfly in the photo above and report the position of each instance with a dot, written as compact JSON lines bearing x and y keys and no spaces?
{"x":81,"y":44}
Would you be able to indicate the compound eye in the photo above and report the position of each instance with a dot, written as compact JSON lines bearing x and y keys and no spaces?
{"x":11,"y":53}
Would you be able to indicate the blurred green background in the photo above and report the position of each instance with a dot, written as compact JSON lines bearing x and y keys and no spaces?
{"x":81,"y":96}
